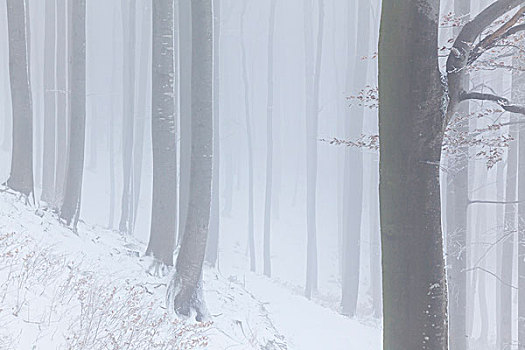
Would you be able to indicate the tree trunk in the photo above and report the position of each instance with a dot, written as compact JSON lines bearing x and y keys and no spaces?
{"x":411,"y":132}
{"x":251,"y":233}
{"x":128,"y":117}
{"x":269,"y":146}
{"x":375,"y":241}
{"x":50,"y":95}
{"x":519,"y":95}
{"x":212,"y":249}
{"x":508,"y":244}
{"x":21,"y":176}
{"x":185,"y":33}
{"x":143,"y":87}
{"x":313,"y":80}
{"x":70,"y":212}
{"x":164,"y":135}
{"x":187,"y":280}
{"x":353,"y":178}
{"x":457,"y":200}
{"x":62,"y":117}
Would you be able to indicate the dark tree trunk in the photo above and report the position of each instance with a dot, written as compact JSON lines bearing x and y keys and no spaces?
{"x":269,"y":146}
{"x":411,"y":131}
{"x":457,"y":200}
{"x":251,"y":233}
{"x":313,"y":80}
{"x":185,"y":35}
{"x":164,"y":135}
{"x":70,"y":212}
{"x":353,"y":178}
{"x":187,"y":280}
{"x":48,"y":171}
{"x":212,"y":249}
{"x":128,"y":117}
{"x":21,"y":176}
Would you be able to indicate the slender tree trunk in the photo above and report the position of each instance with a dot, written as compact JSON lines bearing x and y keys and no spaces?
{"x":411,"y":134}
{"x":457,"y":200}
{"x":212,"y":249}
{"x":187,"y":280}
{"x":269,"y":145}
{"x":313,"y":80}
{"x":144,"y":84}
{"x":62,"y":116}
{"x":164,"y":135}
{"x":70,"y":212}
{"x":185,"y":32}
{"x":111,"y":130}
{"x":519,"y":95}
{"x":128,"y":117}
{"x":48,"y":171}
{"x":21,"y":177}
{"x":375,"y":241}
{"x":251,"y":232}
{"x":353,"y":179}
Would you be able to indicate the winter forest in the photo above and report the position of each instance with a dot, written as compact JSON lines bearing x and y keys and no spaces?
{"x":262,"y":174}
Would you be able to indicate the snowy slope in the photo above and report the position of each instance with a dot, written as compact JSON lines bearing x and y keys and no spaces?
{"x":59,"y":290}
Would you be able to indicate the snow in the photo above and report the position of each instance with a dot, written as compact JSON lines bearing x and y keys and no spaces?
{"x":92,"y":290}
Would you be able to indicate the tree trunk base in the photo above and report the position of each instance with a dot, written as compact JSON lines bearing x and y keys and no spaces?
{"x":185,"y":303}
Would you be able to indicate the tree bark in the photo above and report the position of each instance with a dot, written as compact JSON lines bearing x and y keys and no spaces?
{"x":187,"y":280}
{"x":411,"y":131}
{"x":269,"y":146}
{"x":21,"y":176}
{"x":70,"y":212}
{"x":164,"y":135}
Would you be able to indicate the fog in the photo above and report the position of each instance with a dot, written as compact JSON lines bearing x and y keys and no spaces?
{"x":354,"y":167}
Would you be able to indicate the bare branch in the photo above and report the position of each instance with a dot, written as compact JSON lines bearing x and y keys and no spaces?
{"x":504,"y":31}
{"x":501,"y":101}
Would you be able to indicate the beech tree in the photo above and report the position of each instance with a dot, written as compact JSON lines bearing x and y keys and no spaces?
{"x":186,"y":285}
{"x":70,"y":211}
{"x":21,"y":176}
{"x":164,"y":131}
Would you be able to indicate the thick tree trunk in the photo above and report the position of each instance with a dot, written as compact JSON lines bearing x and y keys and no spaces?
{"x":21,"y":176}
{"x":457,"y":200}
{"x":269,"y":146}
{"x":353,"y":178}
{"x":70,"y":212}
{"x":164,"y":135}
{"x":251,"y":231}
{"x":185,"y":34}
{"x":411,"y":131}
{"x":313,"y":80}
{"x":50,"y":94}
{"x":187,"y":280}
{"x":128,"y":117}
{"x":212,"y":249}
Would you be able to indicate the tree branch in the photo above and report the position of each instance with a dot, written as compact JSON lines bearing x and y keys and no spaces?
{"x":502,"y":32}
{"x":492,"y":202}
{"x":501,"y":101}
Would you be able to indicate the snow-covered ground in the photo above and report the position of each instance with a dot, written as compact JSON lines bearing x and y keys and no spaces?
{"x":59,"y":290}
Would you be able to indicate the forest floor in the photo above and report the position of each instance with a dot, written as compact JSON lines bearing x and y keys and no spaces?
{"x":94,"y":290}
